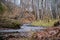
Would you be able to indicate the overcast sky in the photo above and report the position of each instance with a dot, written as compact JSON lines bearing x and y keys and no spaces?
{"x":17,"y":2}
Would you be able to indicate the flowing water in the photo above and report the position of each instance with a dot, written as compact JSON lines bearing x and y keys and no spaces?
{"x":24,"y":30}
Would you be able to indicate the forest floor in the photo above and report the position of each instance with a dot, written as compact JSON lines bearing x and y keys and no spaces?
{"x":52,"y":33}
{"x":47,"y":23}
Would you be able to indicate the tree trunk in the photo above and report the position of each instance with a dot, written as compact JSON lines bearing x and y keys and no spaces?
{"x":38,"y":15}
{"x":42,"y":10}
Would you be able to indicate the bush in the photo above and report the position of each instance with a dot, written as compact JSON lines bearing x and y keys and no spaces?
{"x":8,"y":23}
{"x":56,"y":23}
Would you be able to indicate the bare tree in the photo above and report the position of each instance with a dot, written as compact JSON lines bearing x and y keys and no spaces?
{"x":38,"y":15}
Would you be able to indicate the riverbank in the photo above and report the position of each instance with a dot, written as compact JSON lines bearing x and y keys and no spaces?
{"x":9,"y":23}
{"x":52,"y":33}
{"x":45,"y":23}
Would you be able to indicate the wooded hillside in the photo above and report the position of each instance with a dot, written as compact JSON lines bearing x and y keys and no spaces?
{"x":27,"y":11}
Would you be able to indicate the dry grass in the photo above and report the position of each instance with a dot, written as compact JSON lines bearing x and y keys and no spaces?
{"x":44,"y":23}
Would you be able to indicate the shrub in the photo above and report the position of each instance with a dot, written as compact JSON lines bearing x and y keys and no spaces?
{"x":8,"y":23}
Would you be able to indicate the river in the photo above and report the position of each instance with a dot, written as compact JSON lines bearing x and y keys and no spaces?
{"x":25,"y":30}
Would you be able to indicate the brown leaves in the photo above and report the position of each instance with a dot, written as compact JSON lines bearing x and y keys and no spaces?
{"x":49,"y":33}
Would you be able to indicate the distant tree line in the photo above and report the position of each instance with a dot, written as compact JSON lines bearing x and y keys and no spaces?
{"x":42,"y":9}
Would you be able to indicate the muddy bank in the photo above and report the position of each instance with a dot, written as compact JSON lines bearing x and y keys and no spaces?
{"x":52,"y":33}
